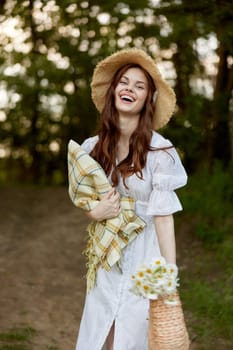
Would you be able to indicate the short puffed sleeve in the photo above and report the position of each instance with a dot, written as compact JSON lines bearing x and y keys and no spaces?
{"x":168,"y":174}
{"x":89,"y":144}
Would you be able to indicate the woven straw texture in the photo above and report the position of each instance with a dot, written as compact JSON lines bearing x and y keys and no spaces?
{"x":167,"y":330}
{"x":106,"y":69}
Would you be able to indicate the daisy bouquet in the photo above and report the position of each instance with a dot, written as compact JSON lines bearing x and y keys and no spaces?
{"x":157,"y":279}
{"x":158,"y":282}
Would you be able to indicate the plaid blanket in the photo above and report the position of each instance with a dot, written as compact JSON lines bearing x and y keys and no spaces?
{"x":88,"y":183}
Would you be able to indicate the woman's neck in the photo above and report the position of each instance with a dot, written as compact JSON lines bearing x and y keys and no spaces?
{"x":127,"y":126}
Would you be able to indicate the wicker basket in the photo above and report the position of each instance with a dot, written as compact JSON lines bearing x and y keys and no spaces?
{"x":167,"y":330}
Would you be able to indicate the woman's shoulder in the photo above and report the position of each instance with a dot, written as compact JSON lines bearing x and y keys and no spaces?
{"x":159,"y":141}
{"x":162,"y":151}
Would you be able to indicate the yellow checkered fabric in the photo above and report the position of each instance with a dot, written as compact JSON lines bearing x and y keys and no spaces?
{"x":88,"y":183}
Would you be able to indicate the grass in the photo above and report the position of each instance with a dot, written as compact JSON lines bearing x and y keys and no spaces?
{"x":209,"y":197}
{"x":208,"y":296}
{"x":17,"y":338}
{"x":20,"y":339}
{"x":207,"y":281}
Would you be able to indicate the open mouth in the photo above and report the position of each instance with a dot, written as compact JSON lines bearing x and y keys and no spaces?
{"x":127,"y":98}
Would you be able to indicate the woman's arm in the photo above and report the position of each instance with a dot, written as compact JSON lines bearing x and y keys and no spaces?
{"x":108,"y":207}
{"x":164,"y":226}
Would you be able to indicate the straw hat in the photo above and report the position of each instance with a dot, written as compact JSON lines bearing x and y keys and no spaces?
{"x":105,"y":70}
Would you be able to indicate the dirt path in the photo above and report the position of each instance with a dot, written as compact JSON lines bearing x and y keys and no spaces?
{"x":41,"y":267}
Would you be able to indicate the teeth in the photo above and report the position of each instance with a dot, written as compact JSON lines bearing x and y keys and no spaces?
{"x":127,"y":98}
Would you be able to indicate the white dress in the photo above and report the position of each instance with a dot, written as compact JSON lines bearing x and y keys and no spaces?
{"x":111,"y":300}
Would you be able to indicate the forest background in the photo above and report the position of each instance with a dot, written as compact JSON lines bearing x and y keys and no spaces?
{"x":48,"y":50}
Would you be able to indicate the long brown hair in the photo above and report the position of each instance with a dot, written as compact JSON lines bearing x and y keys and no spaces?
{"x":105,"y":151}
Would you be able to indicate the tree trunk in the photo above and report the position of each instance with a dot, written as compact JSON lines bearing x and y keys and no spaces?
{"x":221,"y":108}
{"x":33,"y":143}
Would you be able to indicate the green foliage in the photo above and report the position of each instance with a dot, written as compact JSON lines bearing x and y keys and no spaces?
{"x":16,"y":339}
{"x":22,"y":334}
{"x":209,"y":196}
{"x":207,"y":294}
{"x":46,"y":69}
{"x":209,"y":233}
{"x":20,"y":339}
{"x":206,"y":285}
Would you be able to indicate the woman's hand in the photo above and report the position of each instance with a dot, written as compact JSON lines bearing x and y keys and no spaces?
{"x":108,"y":207}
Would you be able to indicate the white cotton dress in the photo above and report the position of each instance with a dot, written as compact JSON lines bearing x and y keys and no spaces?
{"x":111,"y":300}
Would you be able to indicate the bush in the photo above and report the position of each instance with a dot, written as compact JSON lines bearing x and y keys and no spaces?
{"x":209,"y":196}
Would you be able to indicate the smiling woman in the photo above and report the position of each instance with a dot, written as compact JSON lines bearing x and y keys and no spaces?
{"x":129,"y":104}
{"x":131,"y":92}
{"x":143,"y":167}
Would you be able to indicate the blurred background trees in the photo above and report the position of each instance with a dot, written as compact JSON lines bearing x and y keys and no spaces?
{"x":48,"y":50}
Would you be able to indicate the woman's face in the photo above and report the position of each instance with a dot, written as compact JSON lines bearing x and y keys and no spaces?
{"x":131,"y":92}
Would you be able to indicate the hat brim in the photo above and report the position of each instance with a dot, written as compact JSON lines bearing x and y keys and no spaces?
{"x":106,"y":69}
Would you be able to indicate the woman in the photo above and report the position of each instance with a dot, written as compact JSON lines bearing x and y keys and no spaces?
{"x":133,"y":100}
